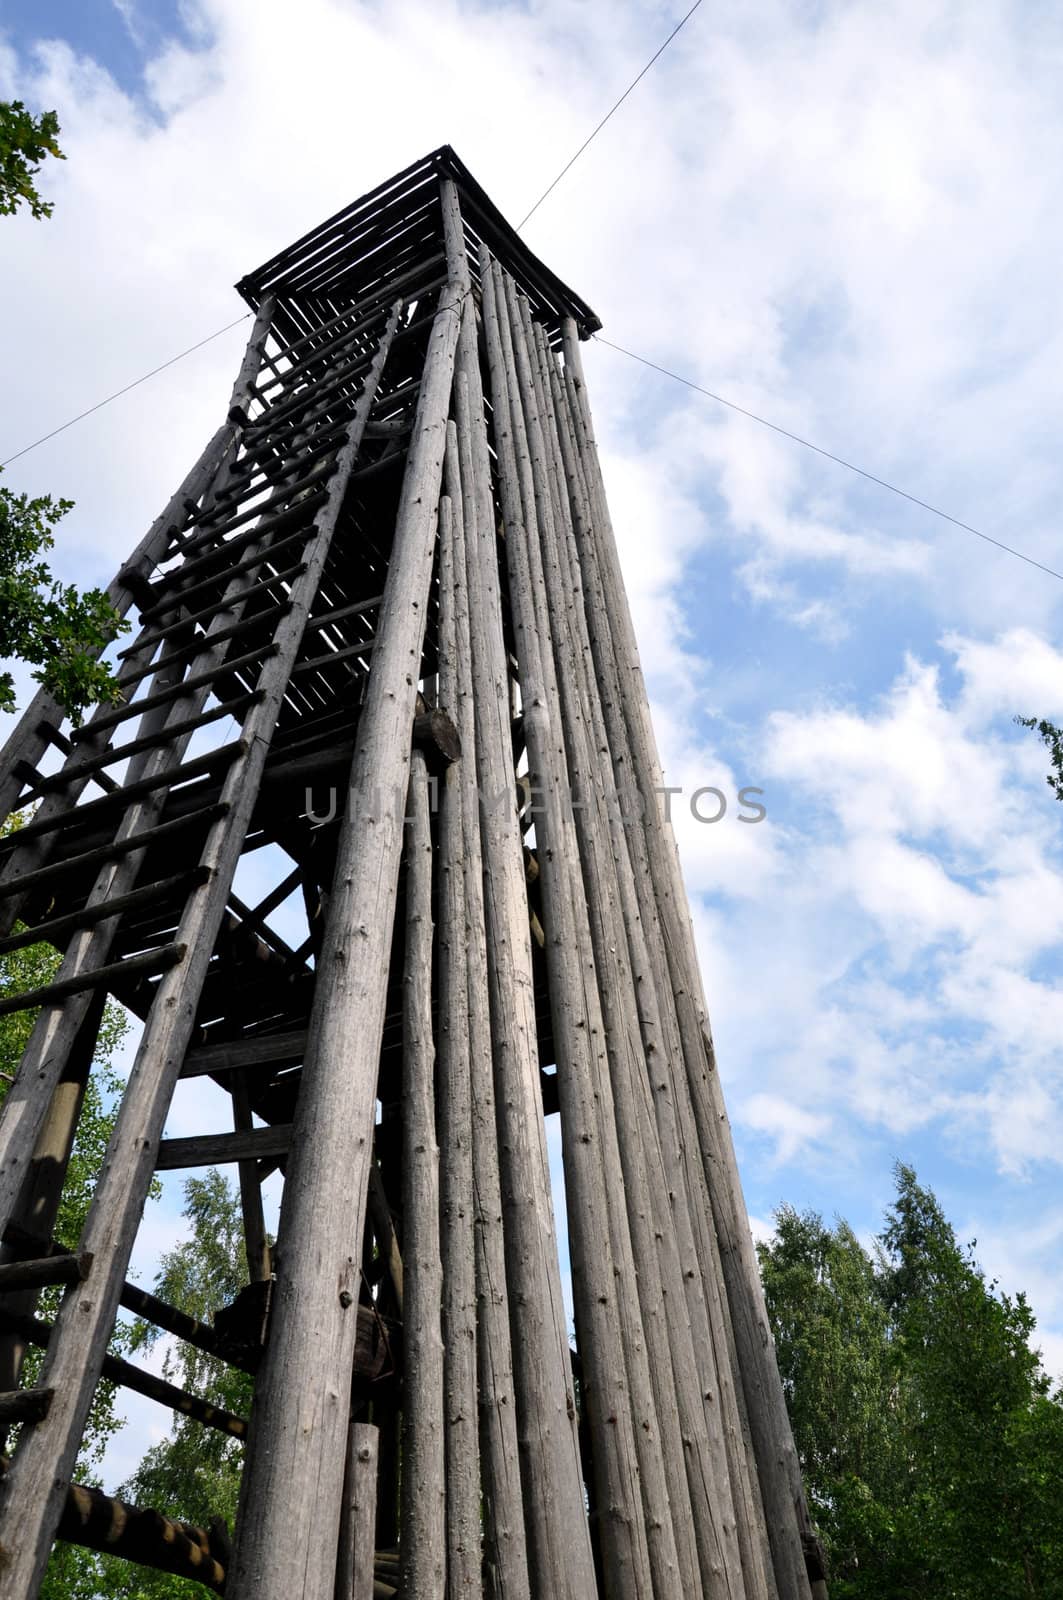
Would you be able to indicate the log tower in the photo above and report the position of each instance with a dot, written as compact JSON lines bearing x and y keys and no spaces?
{"x":384,"y":664}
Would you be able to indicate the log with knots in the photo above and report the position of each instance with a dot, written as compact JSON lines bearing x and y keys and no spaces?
{"x":356,"y":850}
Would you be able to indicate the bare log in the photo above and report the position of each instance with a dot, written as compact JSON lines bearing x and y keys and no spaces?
{"x":423,"y":1525}
{"x":505,"y":1548}
{"x":574,"y":1000}
{"x":354,"y":1565}
{"x":455,"y":1105}
{"x":558,"y":1543}
{"x":311,"y":1342}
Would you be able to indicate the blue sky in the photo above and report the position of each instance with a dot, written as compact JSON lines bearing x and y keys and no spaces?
{"x":844,"y":218}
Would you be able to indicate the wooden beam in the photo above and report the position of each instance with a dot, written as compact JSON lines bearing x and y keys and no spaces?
{"x":217,"y":1149}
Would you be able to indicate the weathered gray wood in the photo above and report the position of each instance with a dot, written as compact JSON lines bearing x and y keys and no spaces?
{"x":558,"y":1543}
{"x":668,"y":1391}
{"x":256,"y":1240}
{"x":45,"y":1458}
{"x":355,"y":1560}
{"x":271,"y":1049}
{"x":129,"y":1376}
{"x":55,"y":927}
{"x":778,"y":1470}
{"x":424,"y":1500}
{"x":211,"y":1149}
{"x":505,"y":1547}
{"x":574,"y":1002}
{"x":461,"y":1430}
{"x":37,"y":1274}
{"x":319,"y":1250}
{"x":25,"y":1405}
{"x":683,"y":1364}
{"x":687,"y":1195}
{"x":114,"y":975}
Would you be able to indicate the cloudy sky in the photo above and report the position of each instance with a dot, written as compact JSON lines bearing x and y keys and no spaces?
{"x":845,"y":218}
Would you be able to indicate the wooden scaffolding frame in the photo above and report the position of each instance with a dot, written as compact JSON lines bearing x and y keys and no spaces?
{"x":393,"y":570}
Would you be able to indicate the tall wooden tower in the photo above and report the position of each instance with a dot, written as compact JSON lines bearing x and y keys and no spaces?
{"x":391,"y":576}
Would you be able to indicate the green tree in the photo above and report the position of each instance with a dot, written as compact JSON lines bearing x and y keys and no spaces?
{"x":29,"y":968}
{"x":928,"y":1435}
{"x":1052,"y":739}
{"x":24,"y":140}
{"x":52,"y":627}
{"x":194,"y":1475}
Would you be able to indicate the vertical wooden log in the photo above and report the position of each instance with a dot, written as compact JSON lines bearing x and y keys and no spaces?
{"x":505,"y":1549}
{"x":454,"y":1099}
{"x":46,"y":1453}
{"x":558,"y":1543}
{"x":671,"y":1092}
{"x":695,"y":1461}
{"x":256,"y":1242}
{"x":574,"y":1001}
{"x":354,"y":1563}
{"x":302,"y":1395}
{"x":716,"y":1452}
{"x":777,"y":1465}
{"x":423,"y":1517}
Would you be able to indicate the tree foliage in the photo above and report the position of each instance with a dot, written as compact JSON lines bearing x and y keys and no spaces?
{"x":1052,"y":738}
{"x":194,"y":1475}
{"x":931,"y":1443}
{"x":20,"y":970}
{"x":49,"y":625}
{"x":25,"y":141}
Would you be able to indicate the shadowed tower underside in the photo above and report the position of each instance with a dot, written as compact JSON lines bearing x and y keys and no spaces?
{"x":373,"y":843}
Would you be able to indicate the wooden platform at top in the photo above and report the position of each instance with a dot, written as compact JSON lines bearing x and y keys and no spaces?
{"x":396,"y":226}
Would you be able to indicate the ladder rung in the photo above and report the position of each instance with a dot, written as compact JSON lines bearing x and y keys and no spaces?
{"x":177,"y":691}
{"x":131,"y":1377}
{"x":114,"y":974}
{"x":48,"y":1270}
{"x":130,"y":791}
{"x":315,"y":483}
{"x":73,"y":865}
{"x":25,"y":1405}
{"x":102,"y":912}
{"x":175,"y":595}
{"x":147,"y":741}
{"x":177,"y":624}
{"x":332,"y":656}
{"x":202,"y":640}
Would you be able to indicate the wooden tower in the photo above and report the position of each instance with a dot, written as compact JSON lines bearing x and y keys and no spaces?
{"x":391,"y":575}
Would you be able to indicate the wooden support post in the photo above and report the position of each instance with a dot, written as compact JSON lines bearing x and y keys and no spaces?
{"x":256,"y":1242}
{"x":319,"y":1249}
{"x":354,"y":1564}
{"x":558,"y":1544}
{"x":505,"y":1547}
{"x":687,"y":1194}
{"x":777,"y":1466}
{"x":424,"y":1499}
{"x":455,"y":1102}
{"x":684,"y":1366}
{"x":575,"y":1006}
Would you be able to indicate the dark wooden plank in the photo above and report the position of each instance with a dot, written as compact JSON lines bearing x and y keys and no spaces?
{"x":211,"y":1149}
